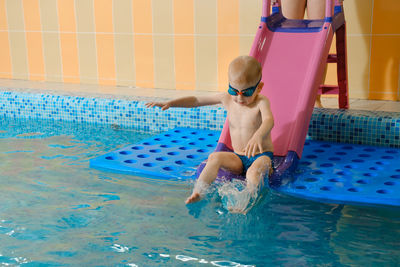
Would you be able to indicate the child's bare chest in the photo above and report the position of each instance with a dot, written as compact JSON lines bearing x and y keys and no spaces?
{"x":244,"y":117}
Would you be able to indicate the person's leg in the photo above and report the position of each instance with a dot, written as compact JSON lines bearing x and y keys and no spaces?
{"x":316,"y":9}
{"x":215,"y":161}
{"x":257,"y":171}
{"x":293,"y":9}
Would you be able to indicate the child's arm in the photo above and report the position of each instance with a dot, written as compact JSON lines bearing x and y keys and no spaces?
{"x":188,"y":102}
{"x":255,"y":144}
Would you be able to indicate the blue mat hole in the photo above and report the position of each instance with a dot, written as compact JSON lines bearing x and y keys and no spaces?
{"x":369,"y":149}
{"x":354,"y":190}
{"x":175,"y":141}
{"x":192,"y":156}
{"x":348,"y":147}
{"x":334,"y":180}
{"x":155,"y":151}
{"x":357,"y":160}
{"x":184,"y":148}
{"x":362,"y":181}
{"x":143,"y":156}
{"x":157,"y":139}
{"x":125,"y":152}
{"x":192,"y":143}
{"x":305,"y":163}
{"x":161,"y":159}
{"x":351,"y":166}
{"x":383,"y":191}
{"x":300,"y":187}
{"x":382,"y":163}
{"x":326,"y":145}
{"x":391,"y":151}
{"x":149,"y":164}
{"x":369,"y":174}
{"x":181,"y":162}
{"x":395,"y":176}
{"x":210,"y":145}
{"x":148,"y":143}
{"x":340,"y":153}
{"x":173,"y":153}
{"x":326,"y":188}
{"x":311,"y":179}
{"x":130,"y":161}
{"x":390,"y":183}
{"x":311,"y":156}
{"x":319,"y":150}
{"x":326,"y":165}
{"x":202,"y":150}
{"x":376,"y":168}
{"x":388,"y":157}
{"x":334,"y":158}
{"x":110,"y":158}
{"x":169,"y":168}
{"x":202,"y":139}
{"x":317,"y":172}
{"x":364,"y":155}
{"x":137,"y":147}
{"x":165,"y":146}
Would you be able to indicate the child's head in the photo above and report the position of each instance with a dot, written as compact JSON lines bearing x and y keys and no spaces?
{"x":244,"y":79}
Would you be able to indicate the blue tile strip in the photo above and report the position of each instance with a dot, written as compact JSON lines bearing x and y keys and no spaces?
{"x":345,"y":126}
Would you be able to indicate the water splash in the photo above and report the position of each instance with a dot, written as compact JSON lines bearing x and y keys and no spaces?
{"x":236,"y":197}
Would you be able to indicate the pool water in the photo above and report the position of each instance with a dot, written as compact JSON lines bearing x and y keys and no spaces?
{"x":56,"y":211}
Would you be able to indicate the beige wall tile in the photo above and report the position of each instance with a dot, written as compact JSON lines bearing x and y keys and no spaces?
{"x":358,"y":48}
{"x":19,"y":61}
{"x":245,"y":44}
{"x":15,"y":17}
{"x":228,"y":17}
{"x":84,"y":16}
{"x":52,"y":57}
{"x":49,"y":15}
{"x":123,"y":20}
{"x":358,"y":15}
{"x":142,"y":16}
{"x":124,"y":59}
{"x":206,"y":63}
{"x":87,"y":57}
{"x":205,"y":16}
{"x":228,"y":49}
{"x":163,"y":16}
{"x":249,"y":16}
{"x":164,"y":74}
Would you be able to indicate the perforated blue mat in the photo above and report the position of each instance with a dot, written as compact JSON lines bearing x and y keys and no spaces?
{"x":174,"y":154}
{"x":347,"y":173}
{"x":328,"y":172}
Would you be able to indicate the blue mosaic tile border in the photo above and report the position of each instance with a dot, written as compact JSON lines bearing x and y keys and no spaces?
{"x":124,"y":113}
{"x":345,"y":126}
{"x":356,"y":126}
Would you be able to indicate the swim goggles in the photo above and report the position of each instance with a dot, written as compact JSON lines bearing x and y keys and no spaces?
{"x":246,"y":92}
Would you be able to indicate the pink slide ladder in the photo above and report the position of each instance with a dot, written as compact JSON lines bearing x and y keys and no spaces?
{"x":293,"y":55}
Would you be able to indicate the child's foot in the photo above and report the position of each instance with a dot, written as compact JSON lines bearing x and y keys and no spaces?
{"x":193,"y":198}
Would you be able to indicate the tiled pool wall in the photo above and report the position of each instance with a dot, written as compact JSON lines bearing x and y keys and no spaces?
{"x":345,"y":126}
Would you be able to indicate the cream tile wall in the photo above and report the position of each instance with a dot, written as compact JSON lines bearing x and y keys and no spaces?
{"x":176,"y":44}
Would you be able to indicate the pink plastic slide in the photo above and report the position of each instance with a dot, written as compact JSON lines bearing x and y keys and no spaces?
{"x":293,"y":54}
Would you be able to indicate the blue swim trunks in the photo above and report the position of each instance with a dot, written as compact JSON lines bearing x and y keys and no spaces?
{"x":248,"y":161}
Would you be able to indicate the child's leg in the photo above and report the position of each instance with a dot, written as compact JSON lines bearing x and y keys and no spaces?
{"x":293,"y":9}
{"x":257,"y":171}
{"x":215,"y":161}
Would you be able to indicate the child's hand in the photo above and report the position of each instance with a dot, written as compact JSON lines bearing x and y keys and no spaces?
{"x":162,"y":105}
{"x":254,"y":146}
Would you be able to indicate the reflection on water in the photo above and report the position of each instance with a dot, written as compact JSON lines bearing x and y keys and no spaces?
{"x":55,"y":210}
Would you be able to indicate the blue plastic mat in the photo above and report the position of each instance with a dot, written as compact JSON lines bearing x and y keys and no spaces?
{"x":328,"y":172}
{"x":174,"y":154}
{"x":347,"y":173}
